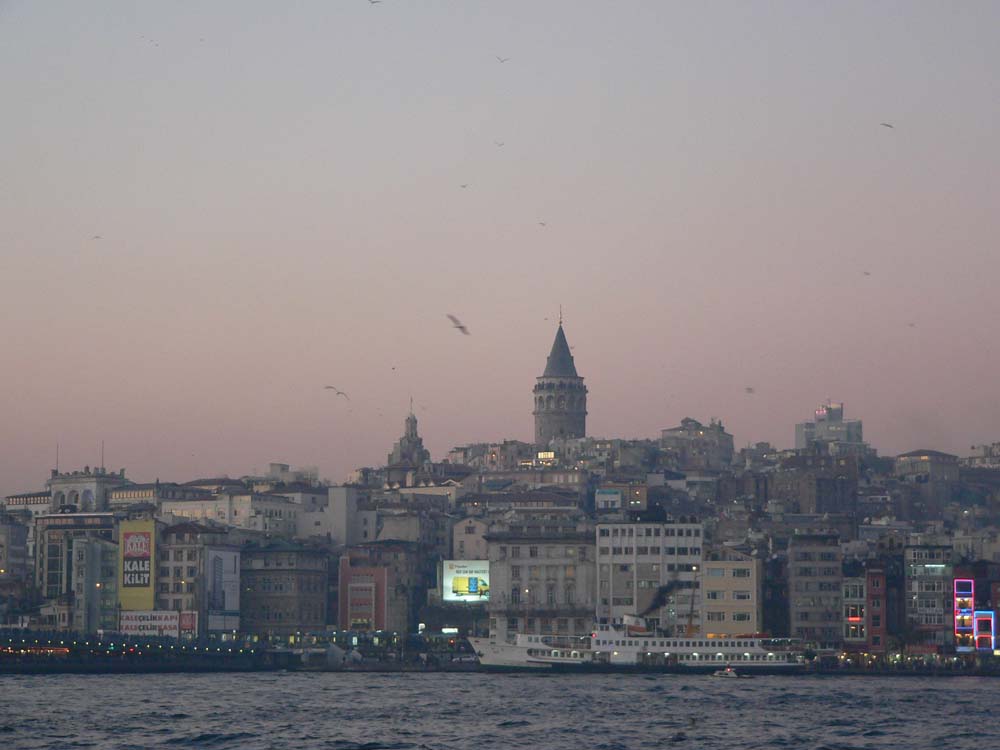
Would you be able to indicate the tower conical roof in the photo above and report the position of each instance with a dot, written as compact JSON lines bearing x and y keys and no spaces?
{"x":560,"y":361}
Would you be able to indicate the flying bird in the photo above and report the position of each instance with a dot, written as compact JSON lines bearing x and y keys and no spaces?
{"x":336,"y":391}
{"x":867,"y":273}
{"x":886,"y":125}
{"x":498,"y":144}
{"x":912,"y":325}
{"x":749,"y":389}
{"x":97,"y":237}
{"x":374,"y":2}
{"x":542,"y":224}
{"x":464,"y":186}
{"x":456,"y":323}
{"x":502,"y":59}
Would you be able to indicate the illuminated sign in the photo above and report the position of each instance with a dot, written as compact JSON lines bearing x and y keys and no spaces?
{"x":985,"y":630}
{"x":465,"y":580}
{"x":136,"y":560}
{"x":965,"y":601}
{"x":161,"y":623}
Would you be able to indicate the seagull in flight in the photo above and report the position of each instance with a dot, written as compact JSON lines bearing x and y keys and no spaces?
{"x":456,"y":323}
{"x":750,"y":390}
{"x":867,"y":273}
{"x":336,"y":391}
{"x":502,"y":59}
{"x":464,"y":186}
{"x":887,"y":125}
{"x":97,"y":237}
{"x":374,"y":2}
{"x":498,"y":144}
{"x":542,"y":224}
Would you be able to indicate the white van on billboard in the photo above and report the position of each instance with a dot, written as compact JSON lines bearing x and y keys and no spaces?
{"x":466,"y":581}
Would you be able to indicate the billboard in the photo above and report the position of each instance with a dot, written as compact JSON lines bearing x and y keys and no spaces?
{"x":159,"y":622}
{"x":151,"y":622}
{"x":222,"y":589}
{"x":465,"y":580}
{"x":136,"y":559}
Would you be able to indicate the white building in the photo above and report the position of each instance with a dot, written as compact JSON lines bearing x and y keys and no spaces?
{"x":651,"y":570}
{"x":245,"y":510}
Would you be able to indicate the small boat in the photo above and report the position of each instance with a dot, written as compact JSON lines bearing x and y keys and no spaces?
{"x":727,"y":672}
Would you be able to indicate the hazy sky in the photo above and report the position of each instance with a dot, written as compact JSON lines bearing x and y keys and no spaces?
{"x":277,"y":189}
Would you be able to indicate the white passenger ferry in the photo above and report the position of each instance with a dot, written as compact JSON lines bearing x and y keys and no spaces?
{"x":632,"y":646}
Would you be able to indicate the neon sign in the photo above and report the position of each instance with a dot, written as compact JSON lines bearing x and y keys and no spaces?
{"x":965,"y":602}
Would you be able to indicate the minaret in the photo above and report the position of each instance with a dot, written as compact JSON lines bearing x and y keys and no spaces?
{"x":560,"y":396}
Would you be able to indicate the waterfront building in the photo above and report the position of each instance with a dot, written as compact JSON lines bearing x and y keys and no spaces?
{"x":15,"y":571}
{"x":198,"y":570}
{"x":409,"y":574}
{"x":13,"y":549}
{"x":815,"y":582}
{"x":929,"y":605}
{"x":865,"y":608}
{"x":95,"y":584}
{"x":652,"y":570}
{"x":731,"y":592}
{"x":284,"y":589}
{"x":542,"y":570}
{"x":699,"y":447}
{"x":54,"y":535}
{"x":560,"y":396}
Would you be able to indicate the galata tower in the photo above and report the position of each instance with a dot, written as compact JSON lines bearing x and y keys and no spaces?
{"x":560,"y":396}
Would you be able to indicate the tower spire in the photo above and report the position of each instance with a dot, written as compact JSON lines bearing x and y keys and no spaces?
{"x":560,"y":314}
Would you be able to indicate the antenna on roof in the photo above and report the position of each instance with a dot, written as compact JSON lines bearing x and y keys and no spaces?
{"x":57,"y":457}
{"x":102,"y":455}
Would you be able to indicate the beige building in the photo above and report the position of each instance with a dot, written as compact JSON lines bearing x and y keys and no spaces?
{"x":731,"y":590}
{"x":245,"y":510}
{"x":542,"y":575}
{"x":468,"y":539}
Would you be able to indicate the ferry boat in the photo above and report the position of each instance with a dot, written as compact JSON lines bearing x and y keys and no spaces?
{"x":534,"y":652}
{"x":632,"y":646}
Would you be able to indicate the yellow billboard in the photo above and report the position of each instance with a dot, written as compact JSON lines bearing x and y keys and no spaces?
{"x":136,"y":565}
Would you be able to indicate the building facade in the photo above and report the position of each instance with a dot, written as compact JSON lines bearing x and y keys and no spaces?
{"x":815,"y":589}
{"x":199,"y":571}
{"x":731,"y":592}
{"x":284,"y":589}
{"x":542,"y":572}
{"x":652,"y":570}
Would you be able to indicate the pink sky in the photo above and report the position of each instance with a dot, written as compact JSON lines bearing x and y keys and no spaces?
{"x":278,"y":195}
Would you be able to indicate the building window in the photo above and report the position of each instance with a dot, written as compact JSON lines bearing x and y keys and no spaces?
{"x":716,"y":617}
{"x":741,"y":572}
{"x":532,"y":551}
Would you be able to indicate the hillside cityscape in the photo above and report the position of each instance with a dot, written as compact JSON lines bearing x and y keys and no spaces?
{"x":856,"y":557}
